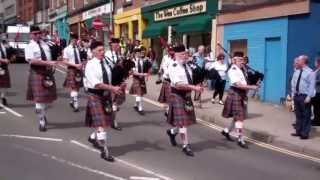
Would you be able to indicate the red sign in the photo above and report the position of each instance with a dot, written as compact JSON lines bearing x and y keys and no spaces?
{"x":97,"y":23}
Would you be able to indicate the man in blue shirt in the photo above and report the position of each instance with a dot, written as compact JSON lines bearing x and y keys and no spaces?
{"x":198,"y":59}
{"x":302,"y":89}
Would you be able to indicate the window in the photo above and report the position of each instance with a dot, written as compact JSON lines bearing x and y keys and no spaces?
{"x":127,"y":3}
{"x":238,"y":45}
{"x":85,"y":2}
{"x":58,"y":3}
{"x":73,"y":4}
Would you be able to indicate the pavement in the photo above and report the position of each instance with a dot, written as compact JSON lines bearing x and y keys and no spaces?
{"x":268,"y":123}
{"x":142,"y":149}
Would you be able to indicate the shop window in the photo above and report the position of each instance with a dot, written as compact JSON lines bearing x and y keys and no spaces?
{"x":124,"y":30}
{"x":127,"y":3}
{"x":135,"y":30}
{"x":238,"y":45}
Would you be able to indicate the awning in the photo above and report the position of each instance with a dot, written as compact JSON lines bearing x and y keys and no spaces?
{"x":154,"y":30}
{"x":195,"y":24}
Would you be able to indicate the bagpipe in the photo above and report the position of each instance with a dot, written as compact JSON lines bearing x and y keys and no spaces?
{"x":199,"y":74}
{"x":254,"y":77}
{"x":121,"y":70}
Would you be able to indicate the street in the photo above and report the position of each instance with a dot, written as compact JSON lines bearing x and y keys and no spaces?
{"x":142,"y":149}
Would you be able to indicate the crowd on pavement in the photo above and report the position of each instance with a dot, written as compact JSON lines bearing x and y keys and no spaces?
{"x":104,"y":73}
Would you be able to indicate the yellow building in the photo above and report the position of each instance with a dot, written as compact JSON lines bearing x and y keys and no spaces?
{"x":129,"y":24}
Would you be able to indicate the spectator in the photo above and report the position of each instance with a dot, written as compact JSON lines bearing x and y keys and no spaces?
{"x":221,"y":67}
{"x":302,"y":90}
{"x":316,"y":99}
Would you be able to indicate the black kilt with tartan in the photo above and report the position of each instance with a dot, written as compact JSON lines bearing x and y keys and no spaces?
{"x":177,"y":115}
{"x":165,"y":92}
{"x":37,"y":92}
{"x":70,"y":81}
{"x":235,"y":105}
{"x":96,"y":116}
{"x":138,"y":86}
{"x":5,"y":79}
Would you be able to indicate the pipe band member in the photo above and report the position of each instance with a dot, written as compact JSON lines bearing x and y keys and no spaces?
{"x":73,"y":81}
{"x":141,"y":71}
{"x":235,"y":105}
{"x":99,"y":114}
{"x":41,"y":84}
{"x":181,"y":110}
{"x":5,"y":82}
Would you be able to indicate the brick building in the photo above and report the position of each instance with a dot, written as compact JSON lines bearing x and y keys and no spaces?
{"x":58,"y":18}
{"x":26,"y":11}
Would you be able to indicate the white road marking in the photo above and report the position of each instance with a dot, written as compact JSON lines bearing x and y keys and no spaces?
{"x":31,"y":137}
{"x":143,"y":178}
{"x":72,"y":164}
{"x":11,"y":111}
{"x":123,"y":162}
{"x":258,"y":143}
{"x":2,"y":112}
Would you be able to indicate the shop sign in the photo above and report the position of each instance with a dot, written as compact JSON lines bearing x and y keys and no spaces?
{"x":180,"y":11}
{"x":105,"y":9}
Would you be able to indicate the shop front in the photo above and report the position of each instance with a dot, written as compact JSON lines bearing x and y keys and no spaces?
{"x":185,"y":22}
{"x":59,"y":22}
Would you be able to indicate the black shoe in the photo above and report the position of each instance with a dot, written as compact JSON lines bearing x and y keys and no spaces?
{"x":227,"y":135}
{"x":116,"y":128}
{"x":304,"y":137}
{"x":76,"y":110}
{"x":187,"y":150}
{"x":295,"y":134}
{"x":4,"y":102}
{"x":135,"y":108}
{"x":71,"y":105}
{"x":242,"y":144}
{"x":158,"y":81}
{"x":108,"y":158}
{"x":172,"y":138}
{"x":43,"y":127}
{"x":315,"y":123}
{"x":95,"y":144}
{"x":141,"y":112}
{"x":166,"y":114}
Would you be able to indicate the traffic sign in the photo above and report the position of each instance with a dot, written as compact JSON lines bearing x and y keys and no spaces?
{"x":97,"y":23}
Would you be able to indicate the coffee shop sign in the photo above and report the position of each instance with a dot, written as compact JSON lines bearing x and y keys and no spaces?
{"x":184,"y":10}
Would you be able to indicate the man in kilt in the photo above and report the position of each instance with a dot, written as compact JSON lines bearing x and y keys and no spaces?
{"x":73,"y":81}
{"x":99,"y":114}
{"x":236,"y":102}
{"x":4,"y":72}
{"x":41,"y":83}
{"x":112,"y":58}
{"x":181,"y":110}
{"x":165,"y":88}
{"x":141,"y":71}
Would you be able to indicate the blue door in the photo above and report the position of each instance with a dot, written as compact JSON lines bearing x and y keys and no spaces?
{"x":274,"y":71}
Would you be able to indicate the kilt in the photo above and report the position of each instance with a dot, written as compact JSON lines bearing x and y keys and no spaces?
{"x":138,"y":87}
{"x":165,"y":92}
{"x":5,"y":79}
{"x":70,"y":81}
{"x":235,"y":105}
{"x":95,"y":113}
{"x":37,"y":92}
{"x":177,"y":115}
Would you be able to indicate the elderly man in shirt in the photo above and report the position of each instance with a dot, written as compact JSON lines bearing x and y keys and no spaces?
{"x":302,"y":89}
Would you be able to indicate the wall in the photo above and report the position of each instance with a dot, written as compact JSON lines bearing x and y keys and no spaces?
{"x":304,"y":37}
{"x":256,"y":33}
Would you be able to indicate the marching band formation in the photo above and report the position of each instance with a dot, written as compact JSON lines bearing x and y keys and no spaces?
{"x":103,"y":75}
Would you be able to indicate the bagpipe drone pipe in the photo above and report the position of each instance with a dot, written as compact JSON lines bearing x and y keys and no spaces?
{"x":121,"y":71}
{"x":198,"y":74}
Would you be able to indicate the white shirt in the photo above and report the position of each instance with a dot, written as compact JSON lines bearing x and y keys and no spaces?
{"x":138,"y":62}
{"x":236,"y":75}
{"x":32,"y":50}
{"x":111,"y":56}
{"x":221,"y":68}
{"x":68,"y":53}
{"x":177,"y":73}
{"x":3,"y":50}
{"x":166,"y":61}
{"x":93,"y":73}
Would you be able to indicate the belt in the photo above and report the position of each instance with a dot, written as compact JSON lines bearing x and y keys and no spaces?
{"x":98,"y":92}
{"x":179,"y":92}
{"x":167,"y":79}
{"x":300,"y":94}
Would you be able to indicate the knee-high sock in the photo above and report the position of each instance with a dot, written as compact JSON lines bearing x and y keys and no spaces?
{"x":114,"y":121}
{"x":102,"y":139}
{"x":93,"y":135}
{"x":230,"y":128}
{"x":184,"y":136}
{"x":239,"y":130}
{"x":40,"y":109}
{"x":74,"y":97}
{"x":139,"y":102}
{"x":174,"y":130}
{"x":2,"y":94}
{"x":114,"y":107}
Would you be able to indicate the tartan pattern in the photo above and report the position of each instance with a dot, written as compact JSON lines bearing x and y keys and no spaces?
{"x":177,"y":115}
{"x":235,"y":106}
{"x":5,"y":79}
{"x":70,"y":81}
{"x":95,"y":113}
{"x":136,"y":87}
{"x":165,"y":92}
{"x":119,"y":99}
{"x":36,"y":92}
